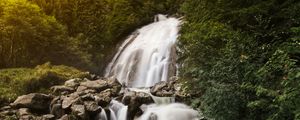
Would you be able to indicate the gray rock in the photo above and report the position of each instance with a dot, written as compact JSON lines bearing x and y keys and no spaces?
{"x":35,"y":101}
{"x":114,"y":85}
{"x":134,"y":100}
{"x":69,"y":100}
{"x":153,"y":117}
{"x":92,"y":106}
{"x":103,"y":98}
{"x":81,"y":88}
{"x":73,"y":82}
{"x":98,"y":85}
{"x":137,"y":98}
{"x":79,"y":111}
{"x":163,"y":89}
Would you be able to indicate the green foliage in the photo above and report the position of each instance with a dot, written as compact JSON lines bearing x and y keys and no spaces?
{"x":18,"y":81}
{"x":84,"y":32}
{"x":104,"y":23}
{"x":242,"y":57}
{"x":29,"y":37}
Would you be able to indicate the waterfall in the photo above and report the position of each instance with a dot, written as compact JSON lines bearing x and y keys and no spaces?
{"x":145,"y":58}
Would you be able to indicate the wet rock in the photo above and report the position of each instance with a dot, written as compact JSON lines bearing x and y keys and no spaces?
{"x":35,"y":101}
{"x":92,"y":106}
{"x":103,"y":98}
{"x":62,"y":90}
{"x":114,"y":85}
{"x":137,"y":98}
{"x":134,"y":100}
{"x":153,"y":117}
{"x":163,"y":89}
{"x":112,"y":81}
{"x":79,"y":111}
{"x":98,"y":85}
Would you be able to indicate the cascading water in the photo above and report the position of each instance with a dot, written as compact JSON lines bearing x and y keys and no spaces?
{"x":144,"y":59}
{"x":174,"y":111}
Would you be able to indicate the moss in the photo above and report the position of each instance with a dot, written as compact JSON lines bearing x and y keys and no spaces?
{"x":17,"y":81}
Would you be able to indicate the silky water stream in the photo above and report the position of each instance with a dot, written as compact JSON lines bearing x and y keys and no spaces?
{"x":145,"y":58}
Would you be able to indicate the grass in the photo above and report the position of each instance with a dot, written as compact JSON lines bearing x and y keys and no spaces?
{"x":18,"y":81}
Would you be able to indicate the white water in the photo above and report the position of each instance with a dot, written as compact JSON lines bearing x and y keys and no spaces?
{"x":145,"y":58}
{"x":174,"y":111}
{"x":102,"y":115}
{"x":118,"y":111}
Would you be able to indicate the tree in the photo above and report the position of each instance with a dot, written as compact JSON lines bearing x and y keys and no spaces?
{"x":30,"y":37}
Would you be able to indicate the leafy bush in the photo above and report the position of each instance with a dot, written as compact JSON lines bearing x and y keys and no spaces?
{"x":18,"y":81}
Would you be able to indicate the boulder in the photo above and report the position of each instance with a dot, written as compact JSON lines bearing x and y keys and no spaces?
{"x":92,"y":106}
{"x":79,"y":111}
{"x":98,"y":85}
{"x":137,"y":98}
{"x":114,"y":85}
{"x":103,"y":98}
{"x":163,"y":89}
{"x":35,"y":101}
{"x":69,"y":100}
{"x":134,"y":100}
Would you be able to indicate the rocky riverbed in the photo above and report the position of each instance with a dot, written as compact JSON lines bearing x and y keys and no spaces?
{"x":84,"y":99}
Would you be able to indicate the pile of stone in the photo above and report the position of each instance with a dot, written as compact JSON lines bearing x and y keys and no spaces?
{"x":76,"y":99}
{"x":82,"y":99}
